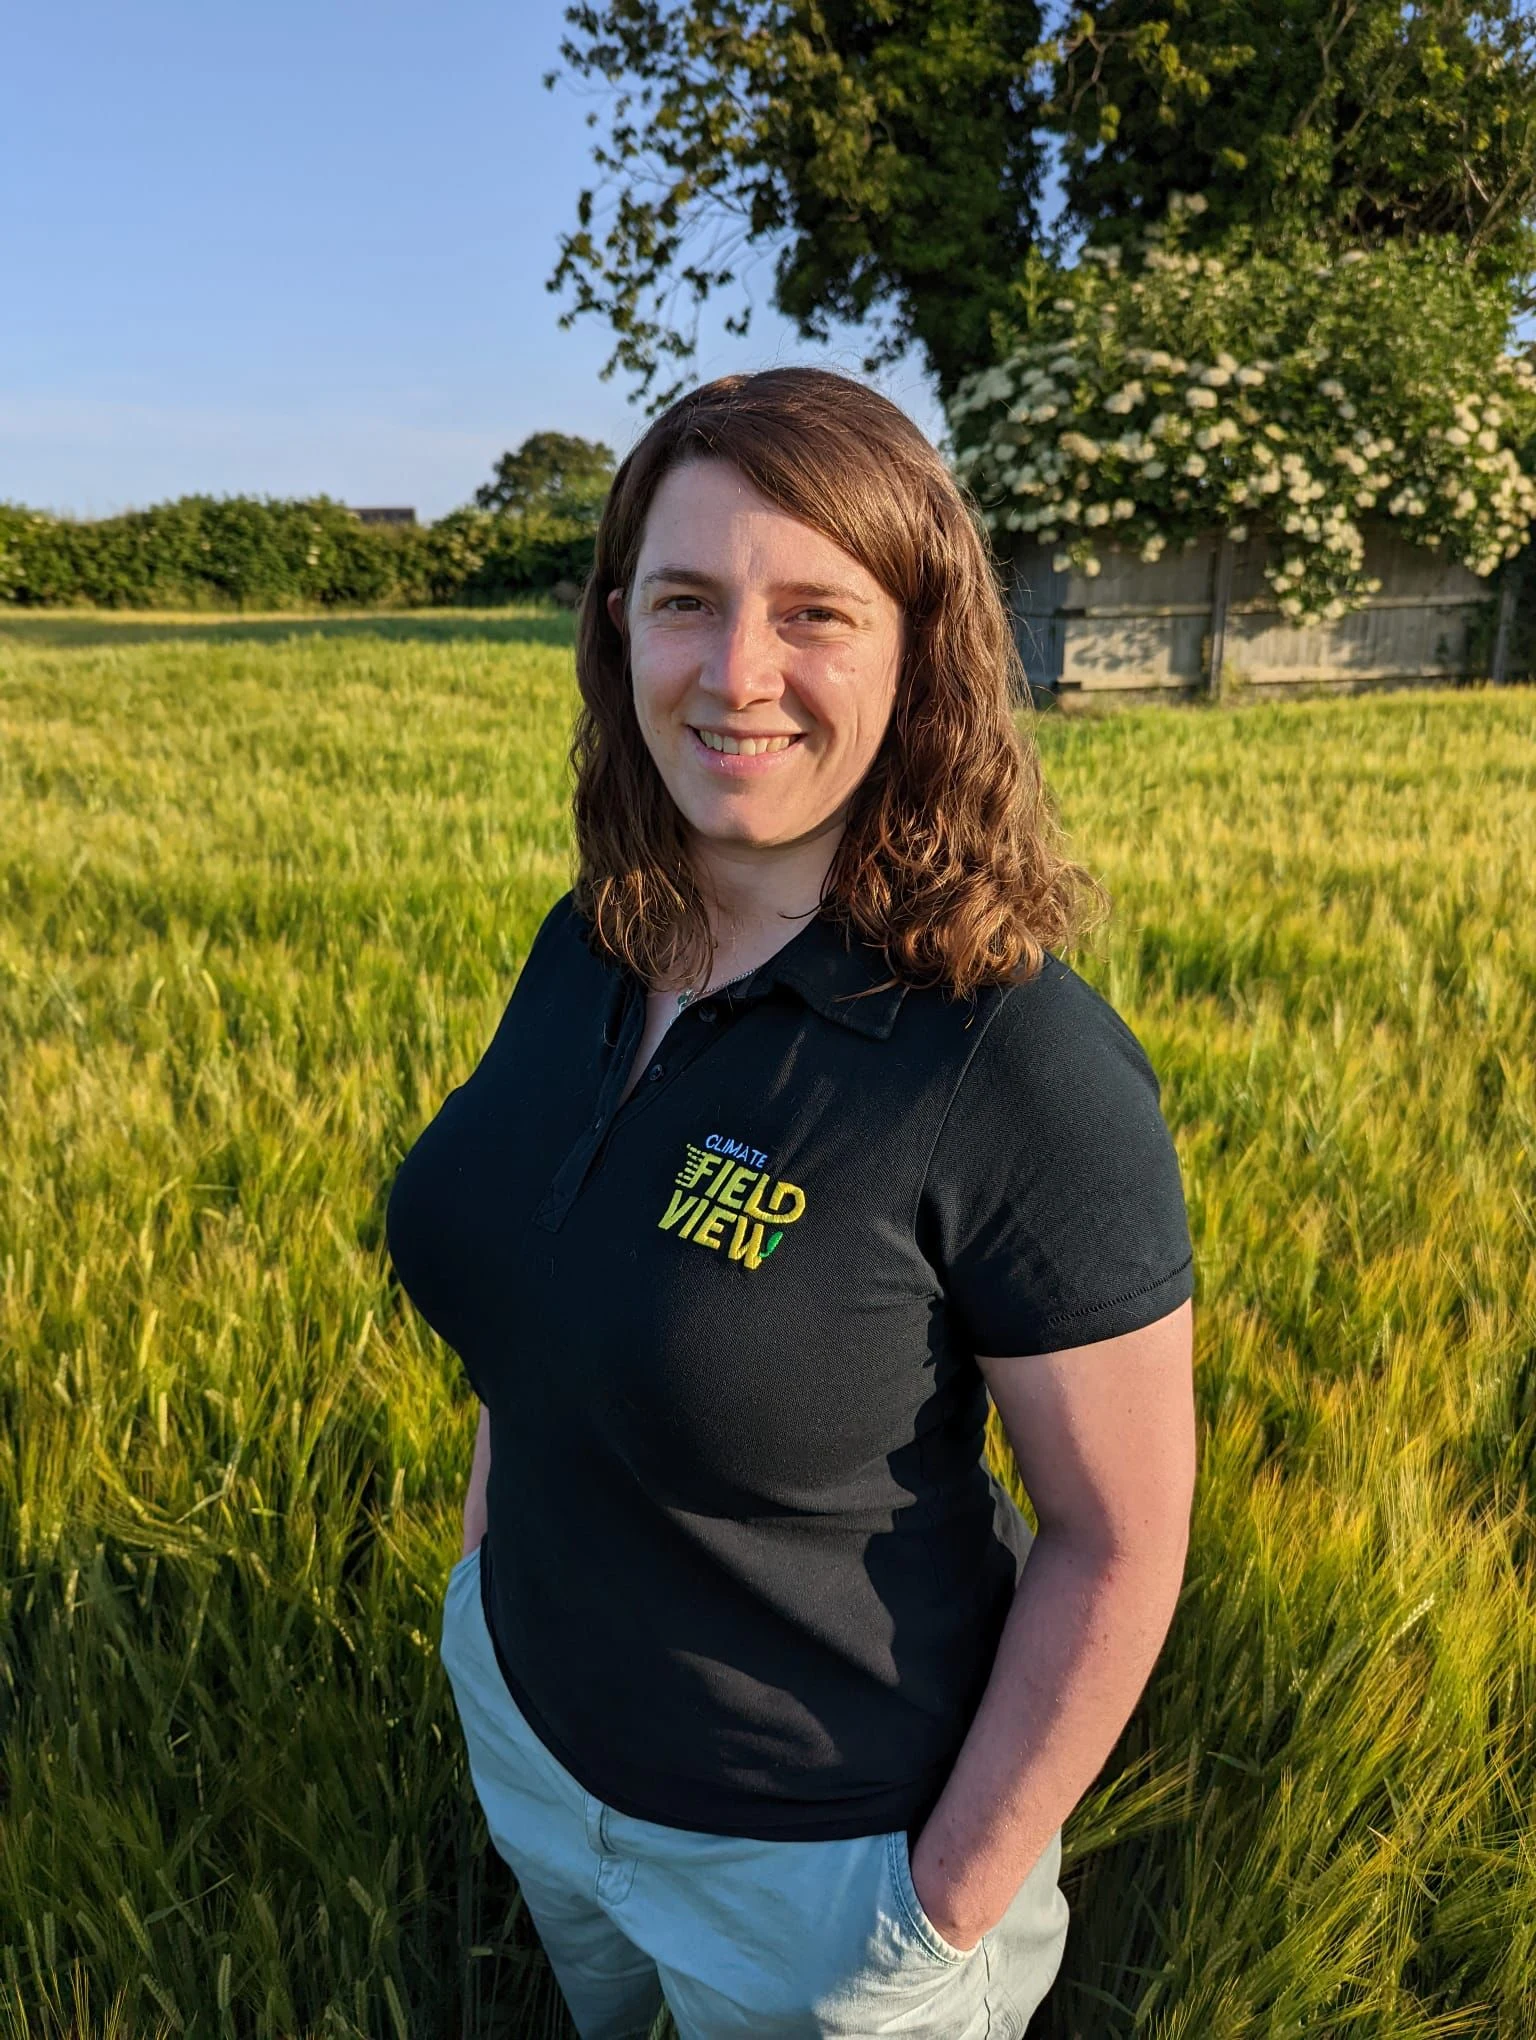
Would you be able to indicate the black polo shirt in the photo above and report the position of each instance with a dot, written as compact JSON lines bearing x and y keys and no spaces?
{"x":745,"y":1569}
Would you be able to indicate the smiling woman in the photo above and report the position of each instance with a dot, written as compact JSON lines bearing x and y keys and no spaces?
{"x":792,"y":1122}
{"x":763,"y":662}
{"x":785,"y":555}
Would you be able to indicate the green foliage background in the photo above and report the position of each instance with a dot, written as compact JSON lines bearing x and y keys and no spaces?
{"x":891,"y":160}
{"x":242,"y":552}
{"x":1367,"y":123}
{"x":264,"y":890}
{"x":550,"y":471}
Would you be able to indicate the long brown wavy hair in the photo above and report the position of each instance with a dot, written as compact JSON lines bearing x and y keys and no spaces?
{"x":950,"y":858}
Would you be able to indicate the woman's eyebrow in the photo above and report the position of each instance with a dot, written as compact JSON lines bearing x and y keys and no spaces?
{"x":823,"y":591}
{"x":807,"y":591}
{"x":688,"y":576}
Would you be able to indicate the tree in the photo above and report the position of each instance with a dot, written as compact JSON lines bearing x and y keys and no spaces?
{"x":1370,"y":119}
{"x":890,"y":150}
{"x":549,"y":471}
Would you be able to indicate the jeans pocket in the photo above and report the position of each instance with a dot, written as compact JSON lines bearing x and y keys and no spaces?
{"x":926,"y":1932}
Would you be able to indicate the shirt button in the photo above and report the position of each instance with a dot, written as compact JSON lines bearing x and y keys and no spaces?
{"x":597,"y":1124}
{"x":707,"y":1012}
{"x":654,"y":1073}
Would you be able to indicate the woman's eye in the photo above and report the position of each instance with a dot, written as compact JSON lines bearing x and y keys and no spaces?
{"x":816,"y":616}
{"x":673,"y":599}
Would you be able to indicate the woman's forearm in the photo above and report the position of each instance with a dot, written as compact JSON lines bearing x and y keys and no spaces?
{"x":479,"y":1473}
{"x":1081,"y":1638}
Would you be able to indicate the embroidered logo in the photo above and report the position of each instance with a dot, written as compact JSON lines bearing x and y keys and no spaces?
{"x":724,"y":1196}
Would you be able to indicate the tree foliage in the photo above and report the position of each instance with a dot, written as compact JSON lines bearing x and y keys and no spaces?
{"x":1169,"y":393}
{"x":890,"y":153}
{"x":553,"y":471}
{"x":1374,"y":120}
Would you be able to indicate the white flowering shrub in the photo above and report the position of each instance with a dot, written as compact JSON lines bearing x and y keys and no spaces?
{"x":1151,"y":397}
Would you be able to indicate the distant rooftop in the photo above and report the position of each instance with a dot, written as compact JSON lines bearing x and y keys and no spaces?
{"x":375,"y":515}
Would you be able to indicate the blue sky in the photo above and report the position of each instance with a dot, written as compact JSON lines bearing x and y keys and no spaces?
{"x":286,"y":249}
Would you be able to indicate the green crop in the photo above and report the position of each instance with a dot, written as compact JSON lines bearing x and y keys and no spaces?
{"x":264,"y":890}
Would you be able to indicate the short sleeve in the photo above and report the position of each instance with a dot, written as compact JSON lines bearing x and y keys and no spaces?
{"x":1052,"y":1206}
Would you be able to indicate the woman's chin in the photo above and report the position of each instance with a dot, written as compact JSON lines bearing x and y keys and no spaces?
{"x":742,"y":835}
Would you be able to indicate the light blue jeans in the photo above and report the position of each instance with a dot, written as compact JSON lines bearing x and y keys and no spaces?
{"x":775,"y":1938}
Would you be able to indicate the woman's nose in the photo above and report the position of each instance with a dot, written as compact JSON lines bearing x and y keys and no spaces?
{"x":744,"y":666}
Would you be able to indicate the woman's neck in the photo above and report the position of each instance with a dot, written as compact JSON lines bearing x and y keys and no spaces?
{"x":757,"y":900}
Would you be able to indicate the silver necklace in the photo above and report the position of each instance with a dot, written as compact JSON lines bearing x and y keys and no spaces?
{"x":687,"y":998}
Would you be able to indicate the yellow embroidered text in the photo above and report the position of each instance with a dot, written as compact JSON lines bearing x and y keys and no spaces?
{"x":719,"y":1202}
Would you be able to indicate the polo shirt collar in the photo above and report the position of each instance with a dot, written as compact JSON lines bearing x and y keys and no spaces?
{"x":837,"y":973}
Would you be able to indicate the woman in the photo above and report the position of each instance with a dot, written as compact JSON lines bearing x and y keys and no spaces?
{"x":793,"y":1142}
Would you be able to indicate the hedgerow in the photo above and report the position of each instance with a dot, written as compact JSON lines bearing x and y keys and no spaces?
{"x":204,"y":552}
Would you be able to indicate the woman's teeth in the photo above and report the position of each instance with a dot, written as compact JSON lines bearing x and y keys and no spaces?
{"x":745,"y":747}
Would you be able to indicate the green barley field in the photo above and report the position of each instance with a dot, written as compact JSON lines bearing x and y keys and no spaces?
{"x":264,"y":889}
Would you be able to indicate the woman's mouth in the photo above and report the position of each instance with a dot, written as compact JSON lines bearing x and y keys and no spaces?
{"x":725,"y":744}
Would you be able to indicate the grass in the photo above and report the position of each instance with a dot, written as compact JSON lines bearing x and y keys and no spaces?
{"x":263,"y":891}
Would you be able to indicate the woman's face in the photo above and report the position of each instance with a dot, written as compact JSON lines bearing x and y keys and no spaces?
{"x":764,"y":661}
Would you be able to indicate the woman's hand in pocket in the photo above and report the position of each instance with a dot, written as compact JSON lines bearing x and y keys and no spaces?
{"x":935,"y":1900}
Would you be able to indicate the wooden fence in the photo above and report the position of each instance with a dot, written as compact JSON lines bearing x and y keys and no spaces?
{"x":1203,"y":620}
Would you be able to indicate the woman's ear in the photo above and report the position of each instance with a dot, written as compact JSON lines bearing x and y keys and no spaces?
{"x":616,"y":609}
